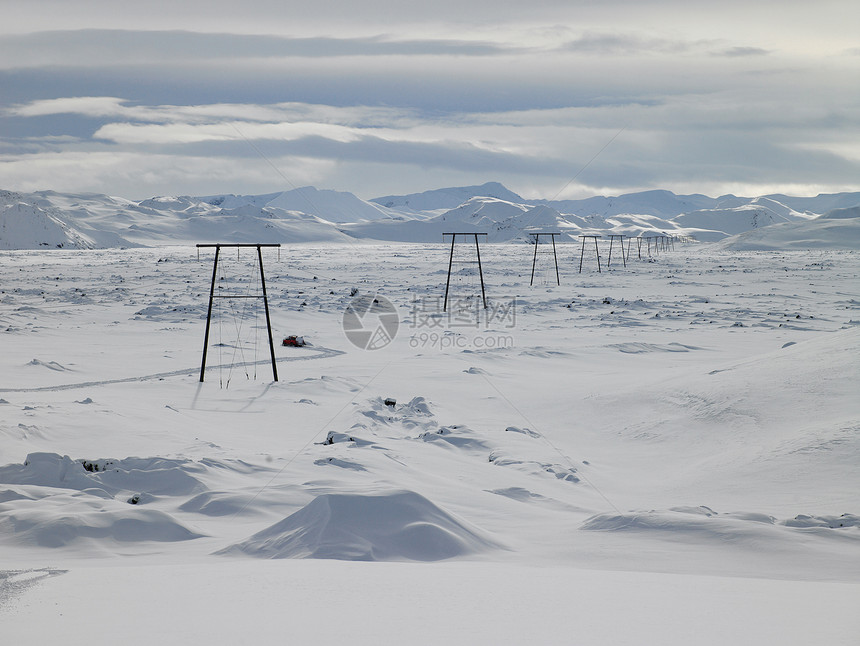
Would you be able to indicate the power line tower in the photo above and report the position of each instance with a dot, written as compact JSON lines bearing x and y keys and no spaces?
{"x":612,"y":238}
{"x":263,"y":295}
{"x":451,"y":262}
{"x":554,"y":256}
{"x":596,"y":251}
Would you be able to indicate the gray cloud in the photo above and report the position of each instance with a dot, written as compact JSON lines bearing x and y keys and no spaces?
{"x":103,"y":47}
{"x":626,"y":44}
{"x":736,"y":52}
{"x":477,"y":85}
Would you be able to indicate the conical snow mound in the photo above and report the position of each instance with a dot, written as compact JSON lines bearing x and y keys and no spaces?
{"x":395,"y":526}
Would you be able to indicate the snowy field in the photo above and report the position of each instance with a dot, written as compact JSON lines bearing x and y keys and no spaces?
{"x":662,"y":453}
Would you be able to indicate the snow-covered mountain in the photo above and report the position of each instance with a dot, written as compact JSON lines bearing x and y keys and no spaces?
{"x":27,"y":222}
{"x":664,"y":204}
{"x":333,"y":206}
{"x":445,"y":199}
{"x":66,"y":220}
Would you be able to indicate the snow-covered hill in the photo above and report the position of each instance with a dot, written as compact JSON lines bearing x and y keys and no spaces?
{"x":709,"y":225}
{"x":28,"y":223}
{"x":837,"y":229}
{"x":63,"y":220}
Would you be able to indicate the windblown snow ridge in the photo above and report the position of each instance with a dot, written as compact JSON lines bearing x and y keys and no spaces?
{"x":703,"y":523}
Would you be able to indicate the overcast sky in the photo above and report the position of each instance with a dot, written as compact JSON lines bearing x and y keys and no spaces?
{"x":552,"y":98}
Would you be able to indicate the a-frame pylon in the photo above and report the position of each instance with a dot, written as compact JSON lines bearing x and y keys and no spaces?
{"x":213,"y":296}
{"x":451,"y":262}
{"x":555,"y":257}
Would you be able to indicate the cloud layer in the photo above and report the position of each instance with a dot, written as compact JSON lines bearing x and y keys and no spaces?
{"x":618,"y":102}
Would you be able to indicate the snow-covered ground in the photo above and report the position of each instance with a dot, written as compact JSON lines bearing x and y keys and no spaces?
{"x":659,"y":453}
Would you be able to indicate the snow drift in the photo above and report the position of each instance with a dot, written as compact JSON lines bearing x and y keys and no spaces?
{"x":395,"y":526}
{"x":63,"y":521}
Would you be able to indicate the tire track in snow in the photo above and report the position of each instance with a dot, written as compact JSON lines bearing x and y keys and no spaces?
{"x":321,"y":353}
{"x":13,"y":583}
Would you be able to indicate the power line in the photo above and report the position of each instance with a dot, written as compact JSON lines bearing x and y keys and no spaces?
{"x":581,"y":170}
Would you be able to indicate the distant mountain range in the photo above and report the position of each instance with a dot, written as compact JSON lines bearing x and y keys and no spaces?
{"x":47,"y":219}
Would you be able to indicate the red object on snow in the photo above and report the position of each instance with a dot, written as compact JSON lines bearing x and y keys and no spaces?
{"x":294,"y":341}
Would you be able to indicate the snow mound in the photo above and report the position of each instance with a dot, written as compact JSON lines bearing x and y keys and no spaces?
{"x":217,"y":503}
{"x":829,"y":522}
{"x":414,"y":414}
{"x":559,"y":471}
{"x":457,"y":437}
{"x":52,"y":365}
{"x":154,"y":476}
{"x":60,"y":521}
{"x":100,"y":503}
{"x":394,"y":526}
{"x":704,"y":524}
{"x":638,"y":347}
